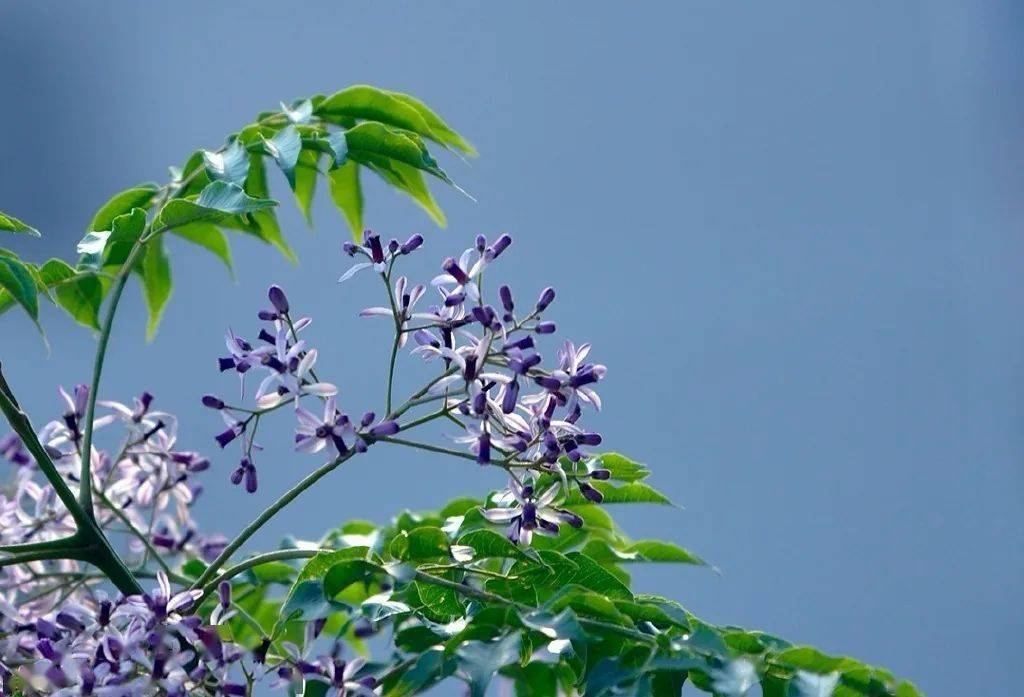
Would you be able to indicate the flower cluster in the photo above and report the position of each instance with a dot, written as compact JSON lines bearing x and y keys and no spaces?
{"x":289,"y":376}
{"x":514,"y":412}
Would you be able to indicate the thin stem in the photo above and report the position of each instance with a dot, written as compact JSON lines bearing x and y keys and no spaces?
{"x":242,"y":567}
{"x":142,"y":537}
{"x":269,"y":512}
{"x":428,"y":447}
{"x":398,"y":336}
{"x":85,"y":478}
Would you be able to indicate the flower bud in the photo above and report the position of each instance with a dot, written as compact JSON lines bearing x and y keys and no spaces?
{"x":545,"y":328}
{"x":499,"y":246}
{"x":546,"y":296}
{"x":212,"y":402}
{"x":278,"y":299}
{"x":590,"y":493}
{"x":506,"y":299}
{"x":411,"y":244}
{"x":384,"y":428}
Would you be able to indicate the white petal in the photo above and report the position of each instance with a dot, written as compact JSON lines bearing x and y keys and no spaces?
{"x":322,"y":389}
{"x":376,"y":311}
{"x":356,"y":268}
{"x":500,"y":515}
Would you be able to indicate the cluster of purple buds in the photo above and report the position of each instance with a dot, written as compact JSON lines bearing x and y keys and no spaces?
{"x":378,"y":257}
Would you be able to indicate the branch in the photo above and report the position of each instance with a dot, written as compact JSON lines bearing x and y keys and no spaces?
{"x":268,"y":513}
{"x":85,"y":478}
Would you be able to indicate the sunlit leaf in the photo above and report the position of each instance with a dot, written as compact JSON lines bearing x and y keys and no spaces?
{"x":284,"y":147}
{"x":347,"y":195}
{"x":156,"y":282}
{"x":9,"y":223}
{"x":229,"y":165}
{"x":218,"y":200}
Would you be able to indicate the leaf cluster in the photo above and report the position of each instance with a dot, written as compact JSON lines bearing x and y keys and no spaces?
{"x":216,"y":193}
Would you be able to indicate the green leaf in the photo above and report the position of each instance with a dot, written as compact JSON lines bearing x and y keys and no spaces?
{"x":306,"y":173}
{"x":438,"y":603}
{"x":347,"y":194}
{"x":9,"y":223}
{"x":419,"y":544}
{"x":370,"y":141}
{"x":156,"y":282}
{"x":79,"y":294}
{"x":806,"y":684}
{"x":16,"y":279}
{"x":563,"y":625}
{"x":121,"y":203}
{"x":229,"y":165}
{"x":488,"y":544}
{"x":267,"y":227}
{"x":573,"y":568}
{"x":632,"y":492}
{"x":285,"y":147}
{"x":479,"y":661}
{"x":339,"y":148}
{"x":307,"y":601}
{"x":622,"y":468}
{"x":101,"y":248}
{"x":641,"y":551}
{"x":217,"y":201}
{"x":410,"y":181}
{"x":318,"y":566}
{"x":439,"y":130}
{"x":344,"y":573}
{"x":426,"y":670}
{"x":209,"y":237}
{"x":372,"y":104}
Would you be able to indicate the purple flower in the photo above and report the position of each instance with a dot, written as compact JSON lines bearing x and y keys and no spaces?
{"x":526,"y":512}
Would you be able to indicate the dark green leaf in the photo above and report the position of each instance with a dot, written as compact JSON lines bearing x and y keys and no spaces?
{"x":419,"y":543}
{"x":136,"y":197}
{"x":370,"y":141}
{"x":487,"y":544}
{"x":17,"y":280}
{"x":9,"y":223}
{"x":479,"y":661}
{"x":426,"y":670}
{"x":217,"y":201}
{"x":573,"y":568}
{"x":79,"y":294}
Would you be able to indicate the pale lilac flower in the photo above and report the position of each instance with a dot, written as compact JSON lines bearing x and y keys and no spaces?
{"x":526,"y":512}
